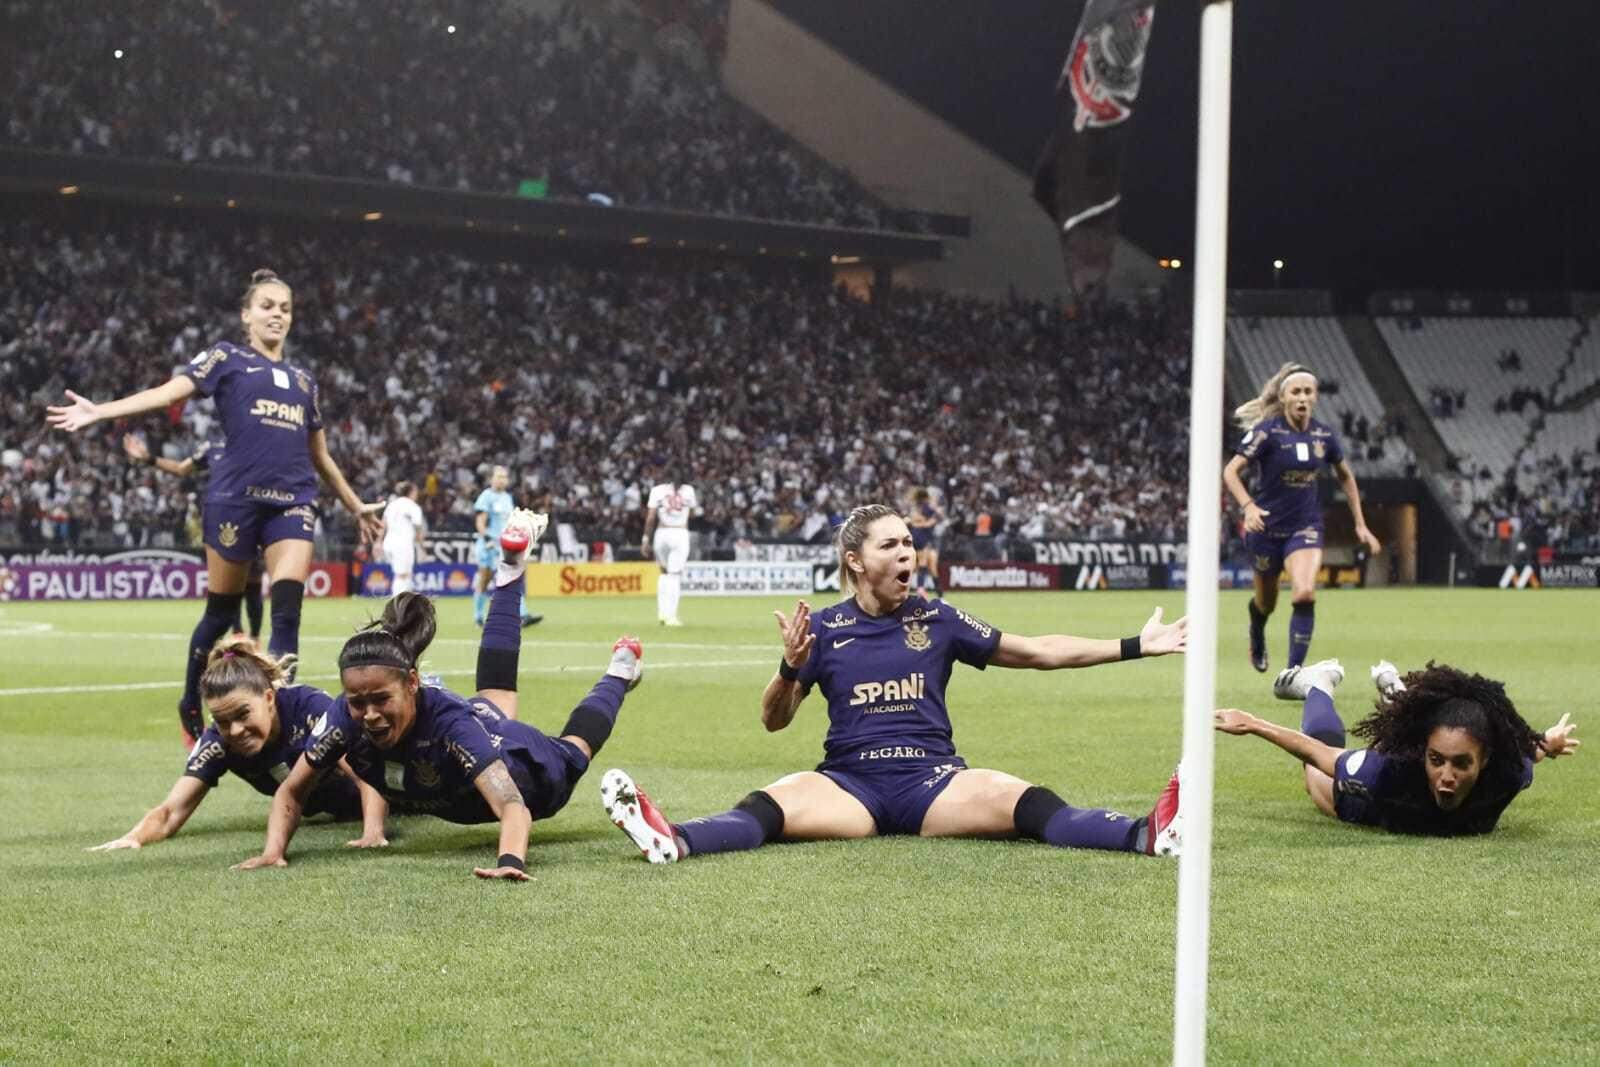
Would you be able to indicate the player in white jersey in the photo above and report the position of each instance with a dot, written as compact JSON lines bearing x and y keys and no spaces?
{"x":666,"y":537}
{"x":403,"y":528}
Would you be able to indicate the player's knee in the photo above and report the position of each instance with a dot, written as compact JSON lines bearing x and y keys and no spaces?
{"x":760,"y":806}
{"x":1034,"y":809}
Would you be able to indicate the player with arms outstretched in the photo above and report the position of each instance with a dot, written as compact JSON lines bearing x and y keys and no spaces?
{"x":200,"y":460}
{"x":1448,"y":752}
{"x":491,"y":510}
{"x":263,"y":491}
{"x":1283,"y":521}
{"x":882,"y":659}
{"x":463,"y":759}
{"x":666,"y":539}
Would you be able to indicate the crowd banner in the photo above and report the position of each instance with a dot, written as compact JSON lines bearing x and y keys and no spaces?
{"x":1118,"y":553}
{"x":433,"y":579}
{"x":959,"y":577}
{"x":592,"y":579}
{"x":748,"y":579}
{"x":181,"y":578}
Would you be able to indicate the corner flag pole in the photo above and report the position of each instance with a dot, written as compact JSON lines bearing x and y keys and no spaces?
{"x":1205,"y":494}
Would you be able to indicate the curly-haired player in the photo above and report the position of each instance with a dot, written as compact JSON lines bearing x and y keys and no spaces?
{"x":1447,"y":754}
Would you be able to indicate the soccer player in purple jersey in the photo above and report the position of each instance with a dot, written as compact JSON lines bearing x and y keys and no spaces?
{"x":882,"y":659}
{"x":1447,"y":754}
{"x":1283,"y":521}
{"x":204,"y":455}
{"x":463,"y":759}
{"x":263,"y":491}
{"x":259,"y":726}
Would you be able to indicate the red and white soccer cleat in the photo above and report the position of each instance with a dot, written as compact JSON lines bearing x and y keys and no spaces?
{"x":627,"y":661}
{"x":1164,"y":831}
{"x":522,"y":530}
{"x":627,"y":806}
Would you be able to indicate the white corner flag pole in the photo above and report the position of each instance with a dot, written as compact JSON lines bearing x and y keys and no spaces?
{"x":1205,"y":495}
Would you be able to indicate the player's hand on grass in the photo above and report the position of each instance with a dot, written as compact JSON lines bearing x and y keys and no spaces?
{"x":1233,"y":721}
{"x":1558,"y":740}
{"x":1255,"y":517}
{"x":74,"y":416}
{"x":797,"y":635}
{"x":1163,"y":638}
{"x":257,"y":862}
{"x":1365,"y":536}
{"x":505,"y":874}
{"x":368,"y":841}
{"x":112,"y":846}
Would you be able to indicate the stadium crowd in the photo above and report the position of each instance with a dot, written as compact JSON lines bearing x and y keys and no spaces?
{"x":504,"y":95}
{"x":1554,"y":505}
{"x":785,"y":400}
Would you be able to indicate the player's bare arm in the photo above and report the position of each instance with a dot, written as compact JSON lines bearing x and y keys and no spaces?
{"x":165,"y":819}
{"x":1058,"y":651}
{"x":288,"y":804}
{"x":505,"y":800}
{"x":783,"y":695}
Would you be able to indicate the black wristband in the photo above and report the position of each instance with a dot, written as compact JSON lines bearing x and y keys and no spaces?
{"x":507,"y":859}
{"x":1130,"y":648}
{"x":786,"y":672}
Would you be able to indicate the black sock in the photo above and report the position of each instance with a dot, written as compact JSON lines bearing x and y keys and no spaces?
{"x":287,"y":595}
{"x":1258,"y":621}
{"x":222,"y":611}
{"x":252,"y":606}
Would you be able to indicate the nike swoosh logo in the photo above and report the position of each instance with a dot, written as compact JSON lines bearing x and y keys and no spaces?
{"x":254,"y":370}
{"x":842,"y":642}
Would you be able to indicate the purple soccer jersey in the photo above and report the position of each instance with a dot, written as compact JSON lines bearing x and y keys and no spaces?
{"x":1373,"y":789}
{"x":268,"y":412}
{"x":299,"y":708}
{"x":884,"y":677}
{"x":1287,"y":462}
{"x":433,"y":769}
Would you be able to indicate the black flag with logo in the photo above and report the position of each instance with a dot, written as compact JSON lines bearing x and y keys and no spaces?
{"x":1078,"y":176}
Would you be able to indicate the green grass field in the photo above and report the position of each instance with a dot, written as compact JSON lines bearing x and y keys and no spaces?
{"x":1328,"y":943}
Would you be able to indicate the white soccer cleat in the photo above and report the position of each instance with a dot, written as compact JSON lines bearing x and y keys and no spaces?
{"x":630,"y":810}
{"x":1165,"y":827}
{"x":674,"y":621}
{"x":1294,"y":683}
{"x":627,"y":661}
{"x":522,"y":531}
{"x":1387,"y":678}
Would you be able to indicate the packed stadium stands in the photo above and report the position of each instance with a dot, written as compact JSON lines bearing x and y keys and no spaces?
{"x":789,"y":400}
{"x":543,"y":98}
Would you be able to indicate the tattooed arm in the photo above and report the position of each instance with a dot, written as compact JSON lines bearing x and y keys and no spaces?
{"x":505,"y":800}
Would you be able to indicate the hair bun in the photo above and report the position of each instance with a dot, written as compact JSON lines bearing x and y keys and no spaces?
{"x":263,"y":275}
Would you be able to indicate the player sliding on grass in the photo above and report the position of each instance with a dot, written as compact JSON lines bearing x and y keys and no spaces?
{"x":882,"y":659}
{"x":259,"y":727}
{"x":1448,"y":750}
{"x":463,"y":759}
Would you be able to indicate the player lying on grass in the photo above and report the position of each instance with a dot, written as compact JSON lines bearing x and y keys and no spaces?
{"x":1448,"y":750}
{"x":882,"y":659}
{"x":463,"y":759}
{"x":259,"y":727}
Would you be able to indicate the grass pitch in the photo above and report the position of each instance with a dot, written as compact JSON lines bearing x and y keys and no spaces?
{"x":1328,"y":943}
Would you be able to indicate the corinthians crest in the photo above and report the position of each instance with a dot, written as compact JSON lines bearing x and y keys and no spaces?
{"x":427,"y":775}
{"x":1320,"y":449}
{"x":228,"y":534}
{"x":917,"y":639}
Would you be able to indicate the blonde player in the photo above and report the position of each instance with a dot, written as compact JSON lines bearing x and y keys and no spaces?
{"x":666,"y":517}
{"x":403,"y":528}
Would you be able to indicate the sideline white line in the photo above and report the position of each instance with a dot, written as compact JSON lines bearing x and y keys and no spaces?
{"x":533,"y":642}
{"x":129,"y":686}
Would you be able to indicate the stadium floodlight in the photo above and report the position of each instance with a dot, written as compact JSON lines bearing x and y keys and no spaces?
{"x":1277,"y":264}
{"x":1205,"y":516}
{"x":1177,"y":264}
{"x":116,"y":53}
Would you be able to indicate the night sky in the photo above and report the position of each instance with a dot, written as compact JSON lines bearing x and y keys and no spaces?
{"x":1403,"y":143}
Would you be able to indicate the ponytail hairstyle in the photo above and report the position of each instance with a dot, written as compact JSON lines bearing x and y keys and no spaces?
{"x":853,"y":534}
{"x":238,"y":664}
{"x":396,"y":640}
{"x":257,"y":280}
{"x":1269,"y":405}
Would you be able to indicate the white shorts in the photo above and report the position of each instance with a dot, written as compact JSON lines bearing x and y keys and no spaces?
{"x":401,"y":557}
{"x":671,"y":546}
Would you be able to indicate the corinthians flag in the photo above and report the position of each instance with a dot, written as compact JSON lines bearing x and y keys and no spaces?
{"x":1078,"y":176}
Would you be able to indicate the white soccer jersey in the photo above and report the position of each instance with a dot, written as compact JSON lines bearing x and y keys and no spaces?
{"x":401,"y":521}
{"x":672,"y":505}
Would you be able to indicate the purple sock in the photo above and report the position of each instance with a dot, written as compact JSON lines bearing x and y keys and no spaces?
{"x":596,"y":714}
{"x":1319,"y":720}
{"x":1045,"y":817}
{"x":1301,"y":621}
{"x":732,"y":831}
{"x":503,"y":627}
